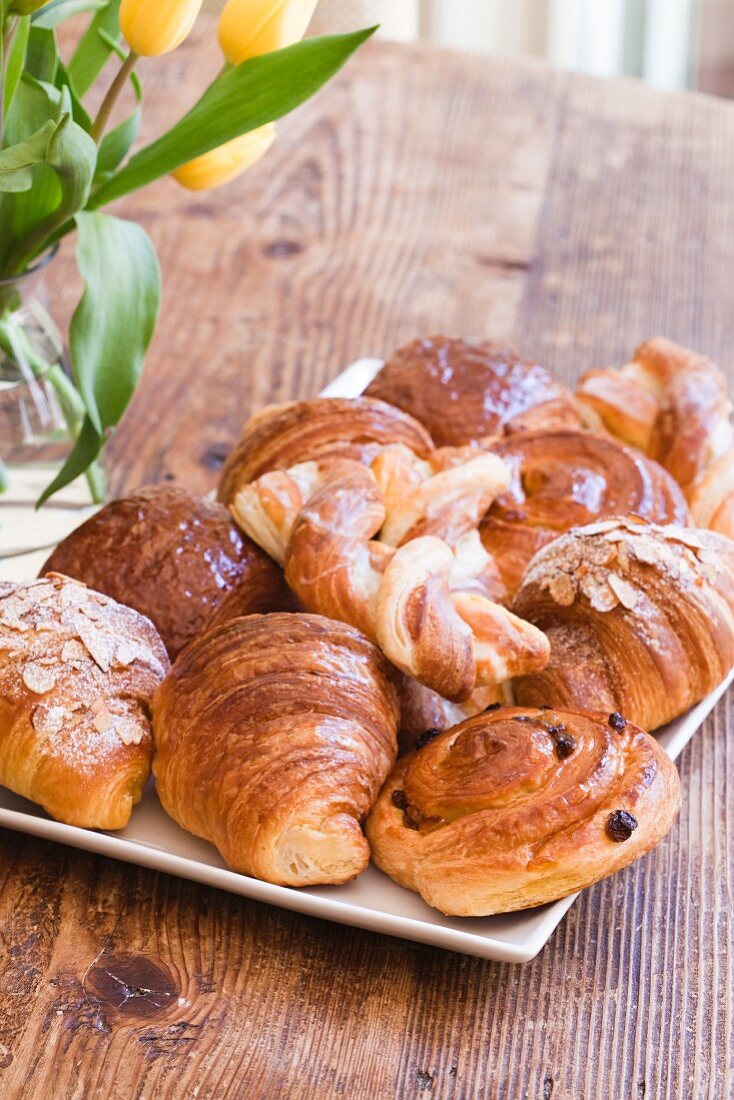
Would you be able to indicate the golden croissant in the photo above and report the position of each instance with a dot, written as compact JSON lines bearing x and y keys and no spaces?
{"x":273,"y":736}
{"x":521,"y":806}
{"x":77,"y":674}
{"x":672,"y":403}
{"x":640,"y":619}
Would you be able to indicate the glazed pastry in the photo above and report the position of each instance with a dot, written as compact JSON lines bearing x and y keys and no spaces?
{"x":324,"y":524}
{"x":712,"y":496}
{"x":424,"y":713}
{"x":640,"y":619}
{"x":518,"y":807}
{"x":464,"y":391}
{"x":77,"y":673}
{"x":281,"y":436}
{"x":175,"y":557}
{"x":567,"y":479}
{"x":669,"y":402}
{"x":273,"y":737}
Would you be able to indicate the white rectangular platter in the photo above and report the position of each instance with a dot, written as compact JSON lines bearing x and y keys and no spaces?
{"x":372,"y":901}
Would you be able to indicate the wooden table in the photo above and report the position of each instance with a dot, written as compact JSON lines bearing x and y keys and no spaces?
{"x":423,"y":192}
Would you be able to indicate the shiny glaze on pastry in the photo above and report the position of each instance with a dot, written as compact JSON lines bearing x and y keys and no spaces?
{"x":176,"y":558}
{"x":640,"y":618}
{"x":520,"y":806}
{"x":670,"y":402}
{"x":273,"y":737}
{"x":77,"y":673}
{"x":466,"y":390}
{"x":566,"y":479}
{"x":281,"y":436}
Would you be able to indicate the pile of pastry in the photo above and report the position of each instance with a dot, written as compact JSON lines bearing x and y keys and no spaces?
{"x":432,"y":626}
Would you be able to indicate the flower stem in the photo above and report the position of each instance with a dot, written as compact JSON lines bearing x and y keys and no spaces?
{"x":98,"y":126}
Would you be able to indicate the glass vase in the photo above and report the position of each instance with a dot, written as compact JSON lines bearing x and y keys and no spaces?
{"x":40,"y":414}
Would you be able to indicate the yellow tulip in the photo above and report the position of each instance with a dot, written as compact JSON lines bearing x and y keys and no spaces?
{"x":154,"y":27}
{"x":248,"y":28}
{"x":219,"y":166}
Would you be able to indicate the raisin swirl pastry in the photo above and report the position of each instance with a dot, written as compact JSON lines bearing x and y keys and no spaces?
{"x":175,"y":557}
{"x":464,"y":391}
{"x":640,"y":618}
{"x":273,"y":736}
{"x":565,"y":479}
{"x":77,"y":675}
{"x":280,"y":436}
{"x":520,"y":806}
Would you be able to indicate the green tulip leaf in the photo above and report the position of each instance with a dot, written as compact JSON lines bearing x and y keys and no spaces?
{"x":85,"y":451}
{"x":116,"y":144}
{"x":17,"y":162}
{"x":239,"y":100}
{"x":52,"y":15}
{"x":42,"y":57}
{"x":93,"y":50}
{"x":114,"y":321}
{"x":16,"y":59}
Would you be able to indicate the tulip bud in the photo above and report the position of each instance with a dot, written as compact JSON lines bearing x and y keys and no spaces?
{"x":154,"y":28}
{"x":219,"y":166}
{"x":248,"y":28}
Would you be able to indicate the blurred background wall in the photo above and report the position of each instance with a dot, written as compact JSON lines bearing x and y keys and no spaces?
{"x":670,"y":43}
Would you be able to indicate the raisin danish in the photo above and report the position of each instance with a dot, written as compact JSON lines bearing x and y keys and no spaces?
{"x":77,"y":673}
{"x":273,"y":736}
{"x":640,"y":618}
{"x":519,"y":806}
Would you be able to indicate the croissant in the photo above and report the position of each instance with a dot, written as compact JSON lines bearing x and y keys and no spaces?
{"x":323,"y":524}
{"x":77,"y":673}
{"x":565,"y":479}
{"x":464,"y":391}
{"x":669,"y":402}
{"x":273,"y":736}
{"x":518,"y":806}
{"x":174,"y":557}
{"x":281,"y":436}
{"x":640,"y":619}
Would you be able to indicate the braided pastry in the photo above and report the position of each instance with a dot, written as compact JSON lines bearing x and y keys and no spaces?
{"x":640,"y":619}
{"x":669,"y":402}
{"x":77,"y":672}
{"x":281,"y":436}
{"x":518,"y":807}
{"x":565,"y":479}
{"x":465,"y":391}
{"x":402,"y":598}
{"x":176,"y":558}
{"x":273,"y":737}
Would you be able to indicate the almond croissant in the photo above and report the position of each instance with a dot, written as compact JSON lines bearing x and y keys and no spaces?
{"x":640,"y":619}
{"x":518,"y":807}
{"x":273,"y":736}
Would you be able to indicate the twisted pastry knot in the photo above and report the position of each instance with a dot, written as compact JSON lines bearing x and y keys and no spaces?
{"x":281,"y":436}
{"x":672,"y":404}
{"x":522,"y":806}
{"x":565,"y":479}
{"x":273,"y":737}
{"x":422,"y":599}
{"x":640,"y":618}
{"x":466,"y":391}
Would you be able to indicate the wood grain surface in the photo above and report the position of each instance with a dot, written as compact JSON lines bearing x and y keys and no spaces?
{"x":423,"y":191}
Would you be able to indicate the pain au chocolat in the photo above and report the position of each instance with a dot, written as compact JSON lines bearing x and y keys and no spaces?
{"x":469,"y":390}
{"x":521,"y":806}
{"x":565,"y":479}
{"x":273,"y":736}
{"x":640,"y":618}
{"x":77,"y":674}
{"x":176,"y":558}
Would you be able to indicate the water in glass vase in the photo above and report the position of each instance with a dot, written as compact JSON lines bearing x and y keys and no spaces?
{"x":39,"y":411}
